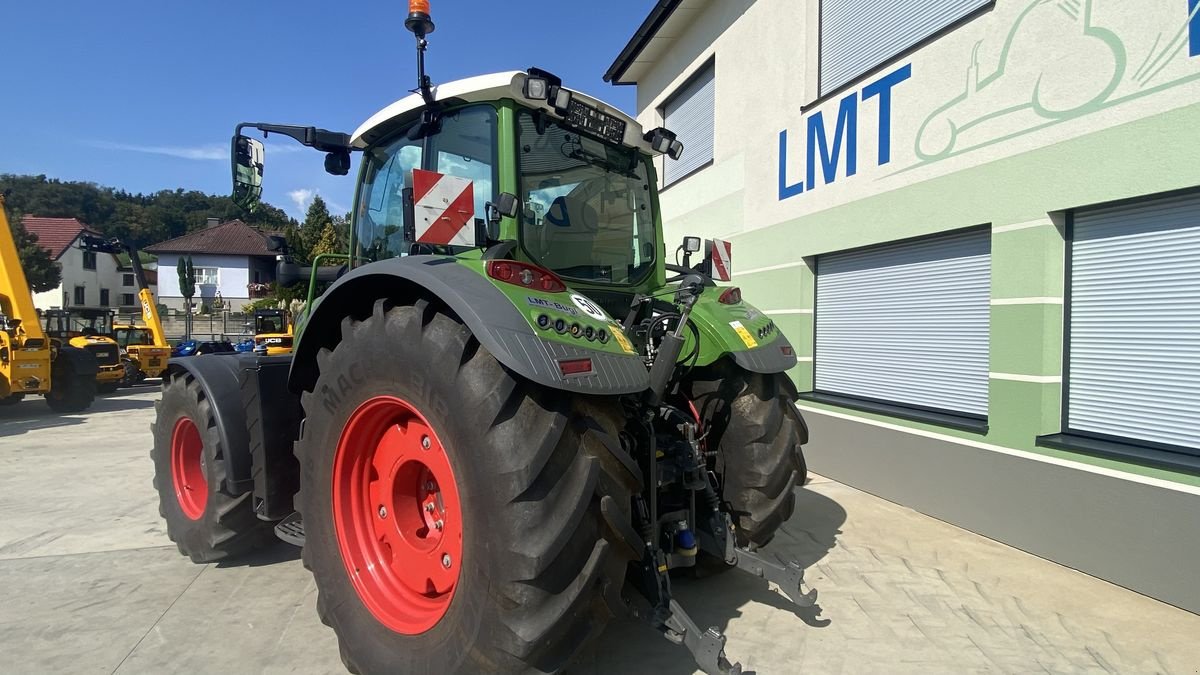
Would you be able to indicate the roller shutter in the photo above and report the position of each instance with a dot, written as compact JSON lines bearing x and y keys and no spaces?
{"x":689,"y":113}
{"x":907,"y":323}
{"x":1134,"y":351}
{"x":858,"y":35}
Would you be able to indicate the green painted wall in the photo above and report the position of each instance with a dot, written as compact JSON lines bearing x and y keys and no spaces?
{"x":1024,"y":198}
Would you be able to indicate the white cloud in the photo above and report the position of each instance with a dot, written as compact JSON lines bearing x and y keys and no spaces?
{"x":199,"y":152}
{"x":301,"y":198}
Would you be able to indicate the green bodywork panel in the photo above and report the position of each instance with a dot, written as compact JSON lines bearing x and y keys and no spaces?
{"x":718,"y":336}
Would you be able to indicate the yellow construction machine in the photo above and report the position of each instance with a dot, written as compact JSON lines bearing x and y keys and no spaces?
{"x":273,"y":332}
{"x":30,"y":363}
{"x":90,"y":329}
{"x":144,"y":347}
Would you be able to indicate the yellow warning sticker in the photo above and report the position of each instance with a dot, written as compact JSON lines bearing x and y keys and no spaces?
{"x":743,"y":333}
{"x":619,"y":336}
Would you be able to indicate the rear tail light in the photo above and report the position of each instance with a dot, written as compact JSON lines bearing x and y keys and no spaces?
{"x":575,"y":366}
{"x":523,"y":274}
{"x":731,"y":296}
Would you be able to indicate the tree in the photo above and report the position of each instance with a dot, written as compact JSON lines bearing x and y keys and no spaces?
{"x":328,"y":242}
{"x":40,"y":270}
{"x":314,"y":224}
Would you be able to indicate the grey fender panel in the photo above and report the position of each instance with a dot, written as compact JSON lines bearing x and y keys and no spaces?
{"x":487,"y":312}
{"x":217,"y":375}
{"x":767,"y":358}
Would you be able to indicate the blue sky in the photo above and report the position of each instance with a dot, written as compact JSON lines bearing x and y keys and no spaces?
{"x":144,"y":95}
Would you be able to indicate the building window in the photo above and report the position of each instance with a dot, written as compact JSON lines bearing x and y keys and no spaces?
{"x":127,"y":300}
{"x":689,"y":113}
{"x":89,"y":260}
{"x":126,"y":279}
{"x":80,"y":298}
{"x":104,"y":297}
{"x":210,"y":276}
{"x":906,"y":324}
{"x":1133,"y":346}
{"x":858,"y":36}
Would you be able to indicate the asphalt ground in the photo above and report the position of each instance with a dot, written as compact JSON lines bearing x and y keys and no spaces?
{"x":89,"y":583}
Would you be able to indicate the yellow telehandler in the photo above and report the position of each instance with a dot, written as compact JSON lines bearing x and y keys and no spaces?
{"x":30,"y":363}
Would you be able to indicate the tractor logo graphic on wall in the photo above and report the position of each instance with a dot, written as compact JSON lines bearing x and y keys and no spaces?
{"x":1039,"y":82}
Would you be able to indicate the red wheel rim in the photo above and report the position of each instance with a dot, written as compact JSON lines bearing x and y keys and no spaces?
{"x":397,"y":515}
{"x":187,"y":469}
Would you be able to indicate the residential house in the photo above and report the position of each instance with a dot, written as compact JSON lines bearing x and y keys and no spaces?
{"x":89,"y":279}
{"x":229,"y":258}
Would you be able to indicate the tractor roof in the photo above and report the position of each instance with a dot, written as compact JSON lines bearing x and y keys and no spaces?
{"x":480,"y":88}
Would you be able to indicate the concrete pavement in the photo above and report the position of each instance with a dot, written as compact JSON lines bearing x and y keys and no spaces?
{"x":90,"y":584}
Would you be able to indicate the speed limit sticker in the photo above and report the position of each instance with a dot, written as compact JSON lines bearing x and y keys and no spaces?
{"x":588,"y":307}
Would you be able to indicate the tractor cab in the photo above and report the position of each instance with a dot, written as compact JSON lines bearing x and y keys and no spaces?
{"x":272,"y":332}
{"x":128,"y":335}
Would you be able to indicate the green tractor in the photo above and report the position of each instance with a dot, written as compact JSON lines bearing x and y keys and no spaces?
{"x":509,"y":418}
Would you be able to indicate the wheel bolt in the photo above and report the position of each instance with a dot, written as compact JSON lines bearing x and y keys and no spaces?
{"x":446,"y":560}
{"x":382,"y":512}
{"x":429,"y":507}
{"x":429,"y":486}
{"x":439,"y":524}
{"x":425,"y":442}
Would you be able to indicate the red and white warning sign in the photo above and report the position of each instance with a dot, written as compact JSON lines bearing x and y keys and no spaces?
{"x":720,"y":252}
{"x":444,"y":209}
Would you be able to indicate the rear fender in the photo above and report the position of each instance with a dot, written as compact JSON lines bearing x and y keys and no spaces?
{"x":490,"y":315}
{"x":744,"y":333}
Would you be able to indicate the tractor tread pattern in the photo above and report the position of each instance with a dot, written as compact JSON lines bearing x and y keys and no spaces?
{"x":229,"y":527}
{"x":558,"y":561}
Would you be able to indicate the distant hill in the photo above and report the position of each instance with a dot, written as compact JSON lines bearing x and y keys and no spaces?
{"x":141,"y":219}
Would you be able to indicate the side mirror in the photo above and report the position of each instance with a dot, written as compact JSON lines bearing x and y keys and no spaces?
{"x":248,"y":156}
{"x":506,"y":206}
{"x":337,"y":163}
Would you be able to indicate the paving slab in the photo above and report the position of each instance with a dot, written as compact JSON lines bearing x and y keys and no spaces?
{"x":90,"y":584}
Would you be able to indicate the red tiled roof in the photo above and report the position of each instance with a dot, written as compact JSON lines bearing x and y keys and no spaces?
{"x":231,"y":238}
{"x":56,"y":234}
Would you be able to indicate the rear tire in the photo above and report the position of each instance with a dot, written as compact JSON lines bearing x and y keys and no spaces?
{"x":535,"y":473}
{"x":753,"y":420}
{"x":205,"y":523}
{"x":70,"y":390}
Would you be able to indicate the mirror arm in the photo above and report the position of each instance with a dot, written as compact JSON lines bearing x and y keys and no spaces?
{"x":321,"y":139}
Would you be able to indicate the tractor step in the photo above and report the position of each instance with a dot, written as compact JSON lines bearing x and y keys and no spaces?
{"x":291,"y":529}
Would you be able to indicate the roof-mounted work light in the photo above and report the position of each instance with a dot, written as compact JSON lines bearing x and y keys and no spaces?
{"x":663,"y":141}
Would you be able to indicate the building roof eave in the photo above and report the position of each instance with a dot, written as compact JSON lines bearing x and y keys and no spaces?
{"x":658,"y":16}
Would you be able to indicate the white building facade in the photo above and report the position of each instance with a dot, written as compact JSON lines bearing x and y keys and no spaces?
{"x":979,"y":224}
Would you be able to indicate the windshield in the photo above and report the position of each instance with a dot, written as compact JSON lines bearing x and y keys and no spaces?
{"x":134,"y":336}
{"x":78,"y":323}
{"x":464,"y":146}
{"x":586,"y":212}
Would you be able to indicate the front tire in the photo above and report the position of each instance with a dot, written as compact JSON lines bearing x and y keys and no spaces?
{"x":753,"y":420}
{"x":71,"y":390}
{"x":205,"y":523}
{"x":530,"y":487}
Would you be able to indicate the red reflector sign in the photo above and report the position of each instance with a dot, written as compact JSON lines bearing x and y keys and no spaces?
{"x":444,"y":209}
{"x":721,"y":255}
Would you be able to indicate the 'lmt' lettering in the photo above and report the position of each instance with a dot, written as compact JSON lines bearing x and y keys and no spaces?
{"x":845,"y":135}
